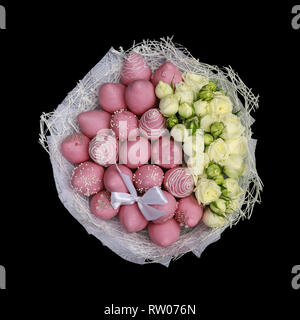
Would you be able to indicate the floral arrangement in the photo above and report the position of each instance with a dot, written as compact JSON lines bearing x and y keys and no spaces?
{"x":152,"y":152}
{"x":200,"y":115}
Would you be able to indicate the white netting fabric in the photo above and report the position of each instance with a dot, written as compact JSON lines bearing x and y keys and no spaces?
{"x":56,"y":125}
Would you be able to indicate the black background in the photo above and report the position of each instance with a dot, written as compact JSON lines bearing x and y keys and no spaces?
{"x":45,"y":50}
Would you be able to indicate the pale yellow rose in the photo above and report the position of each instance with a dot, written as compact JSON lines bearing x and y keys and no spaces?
{"x":218,"y":151}
{"x":221,"y":105}
{"x":237,"y":146}
{"x":195,"y":80}
{"x":207,"y":191}
{"x":234,"y":166}
{"x":233,"y":127}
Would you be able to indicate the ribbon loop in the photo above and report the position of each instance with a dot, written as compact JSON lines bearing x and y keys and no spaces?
{"x":152,"y":196}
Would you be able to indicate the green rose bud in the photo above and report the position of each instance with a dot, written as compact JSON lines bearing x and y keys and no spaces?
{"x":218,"y":206}
{"x":206,"y":95}
{"x":193,"y":127}
{"x":210,"y":86}
{"x":219,"y":179}
{"x":185,"y":110}
{"x":172,"y":121}
{"x":216,"y":129}
{"x":193,"y":124}
{"x":208,"y":139}
{"x":213,"y":171}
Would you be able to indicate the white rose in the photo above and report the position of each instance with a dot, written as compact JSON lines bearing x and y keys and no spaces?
{"x":163,"y":89}
{"x":207,"y":191}
{"x":207,"y":121}
{"x":221,"y":105}
{"x":212,"y":220}
{"x":233,"y":127}
{"x":168,"y":106}
{"x":237,"y":146}
{"x":194,"y":145}
{"x":234,"y":166}
{"x":184,"y":93}
{"x":179,"y":132}
{"x":196,"y":164}
{"x":218,"y":151}
{"x":231,"y":188}
{"x":194,"y":80}
{"x":202,"y":108}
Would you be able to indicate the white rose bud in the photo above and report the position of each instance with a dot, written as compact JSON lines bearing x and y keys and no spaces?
{"x":221,"y":105}
{"x":207,"y":121}
{"x":213,"y":220}
{"x":168,"y":105}
{"x":234,"y":166}
{"x":218,"y":151}
{"x":231,"y":188}
{"x":202,"y":108}
{"x":195,"y":80}
{"x":232,"y":205}
{"x":218,"y":206}
{"x":237,"y":146}
{"x":207,"y":191}
{"x":163,"y":89}
{"x":184,"y":93}
{"x":179,"y":132}
{"x":194,"y":145}
{"x":233,"y":127}
{"x":185,"y":110}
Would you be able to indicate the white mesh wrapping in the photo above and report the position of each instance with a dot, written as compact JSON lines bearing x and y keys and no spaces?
{"x":55,"y":126}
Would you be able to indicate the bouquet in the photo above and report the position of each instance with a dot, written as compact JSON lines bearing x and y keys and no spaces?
{"x":152,"y":152}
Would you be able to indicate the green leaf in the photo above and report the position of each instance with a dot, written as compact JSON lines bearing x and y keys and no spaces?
{"x":237,"y":112}
{"x":172,"y":84}
{"x":218,"y":214}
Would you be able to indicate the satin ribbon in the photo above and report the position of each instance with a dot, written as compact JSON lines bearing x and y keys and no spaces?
{"x":152,"y":196}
